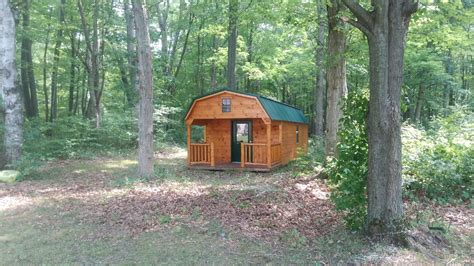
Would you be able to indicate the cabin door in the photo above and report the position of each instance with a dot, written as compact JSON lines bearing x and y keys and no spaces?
{"x":241,"y":132}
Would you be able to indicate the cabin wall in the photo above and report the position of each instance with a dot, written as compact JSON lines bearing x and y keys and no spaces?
{"x":289,"y":147}
{"x":218,"y":131}
{"x":241,"y":107}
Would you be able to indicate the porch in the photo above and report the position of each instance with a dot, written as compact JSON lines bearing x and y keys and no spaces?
{"x":251,"y":145}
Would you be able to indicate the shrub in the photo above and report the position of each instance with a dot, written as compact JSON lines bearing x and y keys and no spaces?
{"x":348,"y":173}
{"x":312,"y":161}
{"x":73,"y":136}
{"x":439,"y":162}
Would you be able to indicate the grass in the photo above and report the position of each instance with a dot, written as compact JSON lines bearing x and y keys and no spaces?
{"x":90,"y":211}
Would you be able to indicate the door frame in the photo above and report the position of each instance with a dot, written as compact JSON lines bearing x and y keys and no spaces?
{"x":232,"y":135}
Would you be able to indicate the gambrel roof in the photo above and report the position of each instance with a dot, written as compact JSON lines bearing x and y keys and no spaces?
{"x":276,"y":110}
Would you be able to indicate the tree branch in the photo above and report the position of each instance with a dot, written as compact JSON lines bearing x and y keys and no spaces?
{"x":411,"y":7}
{"x":360,"y":26}
{"x":363,"y":16}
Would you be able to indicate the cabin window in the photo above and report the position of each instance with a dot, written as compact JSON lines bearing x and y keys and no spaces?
{"x":198,"y":134}
{"x":225,"y":105}
{"x":297,"y":134}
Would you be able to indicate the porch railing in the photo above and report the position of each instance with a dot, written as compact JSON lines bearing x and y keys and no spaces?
{"x":257,"y":154}
{"x":201,"y":153}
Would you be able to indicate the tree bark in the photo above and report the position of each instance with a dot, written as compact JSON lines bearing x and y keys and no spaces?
{"x":320,"y":86}
{"x":9,"y":89}
{"x":386,"y":28}
{"x":336,"y":76}
{"x":232,"y":44}
{"x":145,"y":116}
{"x":28,"y":82}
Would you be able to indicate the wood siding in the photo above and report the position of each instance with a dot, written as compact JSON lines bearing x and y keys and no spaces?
{"x":289,"y":147}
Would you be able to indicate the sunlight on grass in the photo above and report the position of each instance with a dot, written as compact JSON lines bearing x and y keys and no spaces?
{"x":119,"y":164}
{"x":12,"y":202}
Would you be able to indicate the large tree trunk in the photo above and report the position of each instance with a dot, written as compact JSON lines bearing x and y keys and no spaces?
{"x":9,"y":89}
{"x":320,"y":86}
{"x":145,"y":116}
{"x":131,"y":89}
{"x":232,"y":44}
{"x":386,"y":29}
{"x":336,"y":75}
{"x":54,"y":76}
{"x":28,"y":82}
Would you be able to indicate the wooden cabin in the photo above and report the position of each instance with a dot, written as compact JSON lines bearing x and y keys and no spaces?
{"x":243,"y":130}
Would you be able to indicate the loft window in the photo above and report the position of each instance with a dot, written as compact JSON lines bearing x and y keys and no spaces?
{"x":297,"y":134}
{"x":225,"y":105}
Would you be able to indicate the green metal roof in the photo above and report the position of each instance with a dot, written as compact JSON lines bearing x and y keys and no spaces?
{"x":276,"y":110}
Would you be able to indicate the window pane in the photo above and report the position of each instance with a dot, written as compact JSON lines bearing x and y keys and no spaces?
{"x":243,"y":132}
{"x":297,"y":134}
{"x":226,"y":105}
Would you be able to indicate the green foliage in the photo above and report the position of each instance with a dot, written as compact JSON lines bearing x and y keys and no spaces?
{"x":348,"y":173}
{"x":439,"y":162}
{"x":312,"y":161}
{"x":75,"y":137}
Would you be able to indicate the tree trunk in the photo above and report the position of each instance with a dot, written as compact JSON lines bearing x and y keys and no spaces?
{"x":199,"y":75}
{"x":336,"y":76}
{"x":419,"y":102}
{"x":386,"y":29}
{"x":54,"y":75}
{"x":92,"y":63}
{"x":131,"y":89}
{"x":145,"y":116}
{"x":232,"y":44}
{"x":28,"y":82}
{"x":447,"y":84}
{"x":163,"y":24}
{"x":320,"y":88}
{"x":248,"y":82}
{"x":215,"y":45}
{"x":72,"y":74}
{"x":9,"y":89}
{"x":185,"y":45}
{"x":45,"y":76}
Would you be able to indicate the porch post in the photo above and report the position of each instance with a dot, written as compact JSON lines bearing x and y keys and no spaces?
{"x":269,"y":145}
{"x":213,"y":163}
{"x":242,"y":155}
{"x":188,"y":127}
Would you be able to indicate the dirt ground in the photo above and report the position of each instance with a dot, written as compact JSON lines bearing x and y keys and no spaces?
{"x":96,"y":211}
